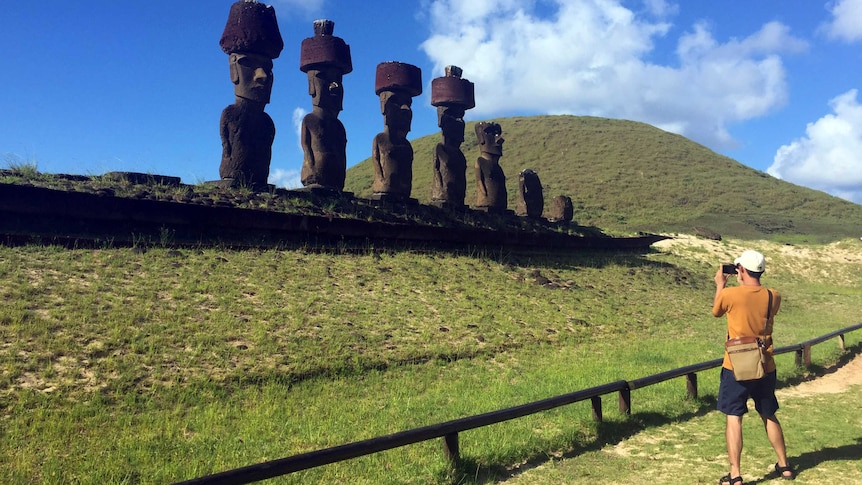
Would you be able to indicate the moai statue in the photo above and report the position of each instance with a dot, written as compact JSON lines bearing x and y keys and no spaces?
{"x":562,"y":209}
{"x":490,"y":179}
{"x":452,"y":96}
{"x":531,"y":202}
{"x":392,"y":155}
{"x":325,"y":59}
{"x":252,"y":40}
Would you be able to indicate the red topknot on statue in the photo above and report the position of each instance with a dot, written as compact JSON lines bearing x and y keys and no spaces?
{"x":325,"y":50}
{"x":252,"y":27}
{"x":453,"y":90}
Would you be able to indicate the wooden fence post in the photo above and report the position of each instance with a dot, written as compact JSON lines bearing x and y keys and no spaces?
{"x":626,"y":401}
{"x":806,"y":355}
{"x":798,"y":359}
{"x":450,"y":448}
{"x":691,"y":385}
{"x":841,"y":342}
{"x":597,"y":408}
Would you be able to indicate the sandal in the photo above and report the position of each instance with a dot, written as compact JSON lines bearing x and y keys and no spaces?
{"x":726,"y":480}
{"x":781,"y":470}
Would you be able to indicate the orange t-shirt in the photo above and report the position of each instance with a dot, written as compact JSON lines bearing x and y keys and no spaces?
{"x":745,"y":307}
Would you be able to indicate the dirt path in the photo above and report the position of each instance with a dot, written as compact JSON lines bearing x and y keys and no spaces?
{"x":836,"y":380}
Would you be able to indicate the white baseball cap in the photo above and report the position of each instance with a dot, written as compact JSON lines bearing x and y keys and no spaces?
{"x":752,"y":261}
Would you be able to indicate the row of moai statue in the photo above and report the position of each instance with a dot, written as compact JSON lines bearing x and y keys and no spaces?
{"x":252,"y":40}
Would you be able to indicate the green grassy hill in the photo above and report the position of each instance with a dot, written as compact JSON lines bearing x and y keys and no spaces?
{"x":625,"y":176}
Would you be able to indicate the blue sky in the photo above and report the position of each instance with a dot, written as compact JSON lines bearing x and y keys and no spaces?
{"x":99,"y":86}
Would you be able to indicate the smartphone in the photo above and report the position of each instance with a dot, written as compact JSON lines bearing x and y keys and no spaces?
{"x":728,"y":268}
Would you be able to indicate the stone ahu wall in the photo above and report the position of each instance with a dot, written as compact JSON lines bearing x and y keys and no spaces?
{"x":251,"y":39}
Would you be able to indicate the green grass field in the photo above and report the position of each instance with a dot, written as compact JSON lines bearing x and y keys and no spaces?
{"x":129,"y":366}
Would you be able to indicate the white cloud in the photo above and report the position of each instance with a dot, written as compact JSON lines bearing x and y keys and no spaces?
{"x":298,"y":115}
{"x":589,"y":58}
{"x":290,"y":178}
{"x":846,"y":22}
{"x":829,"y":156}
{"x":661,"y":7}
{"x":286,"y":179}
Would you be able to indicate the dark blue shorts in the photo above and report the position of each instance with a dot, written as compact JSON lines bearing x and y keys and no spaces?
{"x":733,"y":395}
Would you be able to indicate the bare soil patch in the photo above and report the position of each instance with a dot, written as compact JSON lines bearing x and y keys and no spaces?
{"x":836,"y":380}
{"x":839,"y":262}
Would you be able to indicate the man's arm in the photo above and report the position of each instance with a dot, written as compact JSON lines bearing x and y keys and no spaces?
{"x":720,"y":283}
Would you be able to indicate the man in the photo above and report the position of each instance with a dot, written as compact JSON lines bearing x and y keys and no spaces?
{"x":746,"y":309}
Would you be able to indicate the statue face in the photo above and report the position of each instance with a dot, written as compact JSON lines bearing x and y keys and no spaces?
{"x":397,"y":111}
{"x":252,"y":76}
{"x":325,"y":88}
{"x":491,"y":139}
{"x":452,"y":126}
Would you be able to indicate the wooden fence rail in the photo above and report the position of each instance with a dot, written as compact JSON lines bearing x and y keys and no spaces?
{"x":450,"y":429}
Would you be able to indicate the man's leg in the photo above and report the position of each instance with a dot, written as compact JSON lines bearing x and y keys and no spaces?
{"x":732,"y":398}
{"x":776,"y":437}
{"x":733,"y":436}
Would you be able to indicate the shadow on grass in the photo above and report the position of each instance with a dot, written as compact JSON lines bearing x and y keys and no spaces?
{"x":554,"y":259}
{"x":471,"y":470}
{"x":811,"y":459}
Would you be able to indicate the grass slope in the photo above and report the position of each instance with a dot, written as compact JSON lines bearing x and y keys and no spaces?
{"x":123,"y":366}
{"x":627,"y":176}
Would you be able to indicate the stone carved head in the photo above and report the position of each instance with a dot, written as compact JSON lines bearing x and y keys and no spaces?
{"x":451,"y":123}
{"x":453,"y":96}
{"x":252,"y":40}
{"x":397,"y":83}
{"x":326,"y":89}
{"x":490,"y":138}
{"x":325,"y":58}
{"x":252,"y":76}
{"x":397,"y":111}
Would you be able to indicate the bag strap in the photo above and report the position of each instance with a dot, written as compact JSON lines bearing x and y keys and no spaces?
{"x":766,"y":329}
{"x":769,"y":305}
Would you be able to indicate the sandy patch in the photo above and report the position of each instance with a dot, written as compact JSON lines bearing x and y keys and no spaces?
{"x":840,"y":262}
{"x":839,"y":252}
{"x":837,"y":380}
